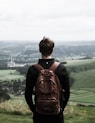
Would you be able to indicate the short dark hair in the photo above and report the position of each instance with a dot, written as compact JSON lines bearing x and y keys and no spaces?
{"x":46,"y":46}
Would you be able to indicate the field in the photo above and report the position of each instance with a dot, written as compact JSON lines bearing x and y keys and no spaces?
{"x":83,"y":89}
{"x":10,"y":75}
{"x":86,"y":96}
{"x":84,"y":79}
{"x":81,"y":106}
{"x":16,"y":111}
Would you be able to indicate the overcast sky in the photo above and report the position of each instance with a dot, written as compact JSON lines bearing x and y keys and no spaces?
{"x":65,"y":20}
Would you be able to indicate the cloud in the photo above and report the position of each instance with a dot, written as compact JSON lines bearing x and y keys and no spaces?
{"x":63,"y":19}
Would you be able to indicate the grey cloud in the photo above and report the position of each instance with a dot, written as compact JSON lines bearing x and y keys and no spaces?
{"x":5,"y":18}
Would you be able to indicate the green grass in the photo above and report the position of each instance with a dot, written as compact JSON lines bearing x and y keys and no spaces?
{"x":85,"y":62}
{"x":83,"y":96}
{"x":85,"y":79}
{"x":77,"y":66}
{"x":10,"y":75}
{"x":15,"y":104}
{"x":10,"y":117}
{"x":72,"y":114}
{"x":80,"y":114}
{"x":16,"y":110}
{"x":90,"y":99}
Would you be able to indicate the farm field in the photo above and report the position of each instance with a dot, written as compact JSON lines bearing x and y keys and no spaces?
{"x":83,"y":96}
{"x":84,"y":79}
{"x":10,"y":75}
{"x":78,"y":62}
{"x":83,"y":88}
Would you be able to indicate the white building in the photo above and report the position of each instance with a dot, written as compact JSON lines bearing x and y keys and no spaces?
{"x":13,"y":64}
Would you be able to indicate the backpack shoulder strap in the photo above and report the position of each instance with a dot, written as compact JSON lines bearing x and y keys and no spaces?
{"x":38,"y":67}
{"x":54,"y":66}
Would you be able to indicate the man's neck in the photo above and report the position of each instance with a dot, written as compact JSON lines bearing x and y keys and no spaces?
{"x":46,"y":57}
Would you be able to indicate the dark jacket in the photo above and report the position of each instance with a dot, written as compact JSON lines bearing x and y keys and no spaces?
{"x":31,"y":78}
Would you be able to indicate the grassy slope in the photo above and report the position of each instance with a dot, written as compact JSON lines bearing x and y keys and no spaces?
{"x":85,"y":79}
{"x":9,"y":117}
{"x":84,"y":74}
{"x":80,"y":114}
{"x":72,"y":114}
{"x":83,"y":89}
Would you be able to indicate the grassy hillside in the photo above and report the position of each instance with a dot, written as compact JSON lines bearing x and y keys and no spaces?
{"x":83,"y":72}
{"x":83,"y":88}
{"x":72,"y":114}
{"x":83,"y":96}
{"x":79,"y":62}
{"x":81,"y":65}
{"x":16,"y":111}
{"x":85,"y":79}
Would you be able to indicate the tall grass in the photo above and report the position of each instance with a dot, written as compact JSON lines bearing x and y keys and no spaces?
{"x":16,"y":104}
{"x":17,"y":111}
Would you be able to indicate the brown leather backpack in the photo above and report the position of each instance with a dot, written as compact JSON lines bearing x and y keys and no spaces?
{"x":47,"y":90}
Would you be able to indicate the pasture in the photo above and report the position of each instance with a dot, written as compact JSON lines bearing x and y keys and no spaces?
{"x":83,"y":88}
{"x":7,"y":75}
{"x":83,"y":96}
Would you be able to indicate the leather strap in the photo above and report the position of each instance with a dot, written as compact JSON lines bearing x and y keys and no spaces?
{"x":52,"y":67}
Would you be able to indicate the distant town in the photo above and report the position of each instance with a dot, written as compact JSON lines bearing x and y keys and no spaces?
{"x":19,"y":54}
